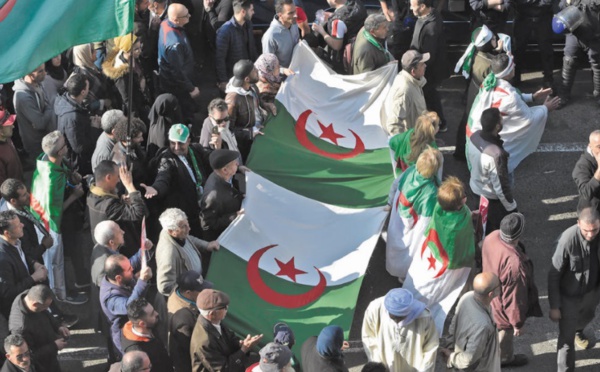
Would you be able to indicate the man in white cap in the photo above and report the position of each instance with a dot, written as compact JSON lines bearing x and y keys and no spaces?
{"x":504,"y":255}
{"x":472,"y":343}
{"x":405,"y":102}
{"x":399,"y":332}
{"x":182,"y":173}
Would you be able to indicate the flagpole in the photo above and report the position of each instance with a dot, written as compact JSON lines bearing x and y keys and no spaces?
{"x":129,"y":103}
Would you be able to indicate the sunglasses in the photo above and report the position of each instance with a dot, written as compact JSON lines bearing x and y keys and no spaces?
{"x":221,"y":121}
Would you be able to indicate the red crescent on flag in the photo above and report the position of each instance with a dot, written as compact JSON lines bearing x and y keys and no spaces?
{"x":275,"y":298}
{"x":402,"y":199}
{"x":6,"y":8}
{"x":435,"y":239}
{"x":359,"y":148}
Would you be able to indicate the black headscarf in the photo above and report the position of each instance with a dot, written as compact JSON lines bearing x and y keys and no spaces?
{"x":164,"y":112}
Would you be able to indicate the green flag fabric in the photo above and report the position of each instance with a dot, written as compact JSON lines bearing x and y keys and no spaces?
{"x":34,"y":31}
{"x":47,"y":193}
{"x":314,"y":204}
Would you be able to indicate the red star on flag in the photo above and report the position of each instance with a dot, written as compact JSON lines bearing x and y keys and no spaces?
{"x":432,"y":261}
{"x":288,"y":269}
{"x":329,"y":133}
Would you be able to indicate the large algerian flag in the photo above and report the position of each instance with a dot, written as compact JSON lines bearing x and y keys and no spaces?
{"x":46,"y":202}
{"x":443,"y":263}
{"x":522,"y":125}
{"x":313,"y":209}
{"x":33,"y":31}
{"x":326,"y":141}
{"x":412,"y":207}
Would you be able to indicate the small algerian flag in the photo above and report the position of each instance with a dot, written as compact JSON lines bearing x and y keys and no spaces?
{"x":289,"y":258}
{"x":440,"y":269}
{"x":411,"y":211}
{"x":326,"y":142}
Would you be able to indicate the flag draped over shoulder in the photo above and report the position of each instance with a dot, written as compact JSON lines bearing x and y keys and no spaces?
{"x":33,"y":31}
{"x":443,"y":263}
{"x":412,"y":208}
{"x":313,"y":207}
{"x":522,"y":126}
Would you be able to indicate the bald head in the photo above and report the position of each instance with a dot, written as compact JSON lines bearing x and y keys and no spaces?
{"x":485,"y":283}
{"x":134,"y":361}
{"x":177,"y":12}
{"x":595,"y":143}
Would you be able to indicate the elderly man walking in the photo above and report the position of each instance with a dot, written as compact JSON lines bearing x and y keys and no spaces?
{"x":369,"y":52}
{"x":573,"y":290}
{"x":503,"y":254}
{"x":399,"y":331}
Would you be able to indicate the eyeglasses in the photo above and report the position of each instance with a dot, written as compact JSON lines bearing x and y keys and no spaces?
{"x":221,"y":121}
{"x":185,"y":16}
{"x":26,"y":354}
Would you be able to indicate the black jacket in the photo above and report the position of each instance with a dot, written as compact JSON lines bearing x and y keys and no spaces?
{"x":14,"y":276}
{"x":106,"y":206}
{"x":152,"y":346}
{"x":234,"y":43}
{"x":220,"y":203}
{"x":583,"y":175}
{"x":75,"y":124}
{"x":429,"y":37}
{"x":40,"y":330}
{"x":30,"y":242}
{"x":9,"y":367}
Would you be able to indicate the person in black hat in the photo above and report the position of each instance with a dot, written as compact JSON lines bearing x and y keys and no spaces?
{"x":247,"y":112}
{"x":183,"y":314}
{"x":222,"y":199}
{"x":503,"y":254}
{"x":214,"y":346}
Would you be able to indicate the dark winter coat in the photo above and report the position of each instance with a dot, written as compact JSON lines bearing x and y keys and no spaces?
{"x":234,"y":43}
{"x":220,"y":203}
{"x":159,"y":358}
{"x":429,"y":37}
{"x":14,"y":276}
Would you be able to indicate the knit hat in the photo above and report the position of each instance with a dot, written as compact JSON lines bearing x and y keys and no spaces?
{"x":192,"y":281}
{"x":124,"y":42}
{"x":179,"y":133}
{"x":511,"y":227}
{"x":211,"y":299}
{"x":273,"y":357}
{"x":220,"y":158}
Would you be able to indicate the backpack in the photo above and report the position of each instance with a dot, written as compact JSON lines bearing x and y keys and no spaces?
{"x":347,"y":57}
{"x":353,"y":14}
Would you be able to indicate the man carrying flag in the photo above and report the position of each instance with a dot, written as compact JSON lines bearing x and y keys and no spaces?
{"x":411,"y":211}
{"x":55,"y":188}
{"x":523,"y":125}
{"x":446,"y":253}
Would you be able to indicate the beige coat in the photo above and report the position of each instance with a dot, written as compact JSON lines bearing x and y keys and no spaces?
{"x":171,"y":260}
{"x":403,"y":104}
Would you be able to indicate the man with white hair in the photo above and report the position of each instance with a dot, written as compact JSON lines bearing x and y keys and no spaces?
{"x":369,"y":52}
{"x":106,"y":141}
{"x":400,"y":332}
{"x":177,"y":251}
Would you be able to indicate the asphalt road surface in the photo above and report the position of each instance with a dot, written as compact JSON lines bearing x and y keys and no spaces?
{"x":545,"y":193}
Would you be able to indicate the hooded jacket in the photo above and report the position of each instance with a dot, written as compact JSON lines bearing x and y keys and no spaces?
{"x":75,"y":124}
{"x":117,"y":69}
{"x":35,"y":116}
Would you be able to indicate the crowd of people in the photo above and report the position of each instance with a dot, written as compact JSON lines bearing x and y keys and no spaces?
{"x":112,"y":137}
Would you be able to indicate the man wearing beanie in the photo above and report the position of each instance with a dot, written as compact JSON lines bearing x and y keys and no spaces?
{"x":400,"y":332}
{"x":214,"y":347}
{"x":503,"y":254}
{"x":573,"y":282}
{"x":222,"y":199}
{"x":273,"y":358}
{"x":182,"y":173}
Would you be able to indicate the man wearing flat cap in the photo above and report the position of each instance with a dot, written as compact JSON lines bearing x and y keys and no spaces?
{"x":400,"y":332}
{"x":222,"y":199}
{"x":182,"y":173}
{"x":247,"y":111}
{"x":183,"y":314}
{"x":503,"y":254}
{"x":214,"y":347}
{"x":405,"y":102}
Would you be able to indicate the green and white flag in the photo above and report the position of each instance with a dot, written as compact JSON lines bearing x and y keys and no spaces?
{"x":46,"y":203}
{"x":412,"y":208}
{"x":314,"y":205}
{"x":443,"y":263}
{"x":33,"y":31}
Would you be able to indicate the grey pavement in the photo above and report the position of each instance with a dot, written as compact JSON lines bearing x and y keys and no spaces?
{"x":545,"y":193}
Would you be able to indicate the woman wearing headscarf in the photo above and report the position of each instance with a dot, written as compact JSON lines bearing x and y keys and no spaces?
{"x":99,"y":97}
{"x":164,"y":113}
{"x":117,"y":66}
{"x":324,"y":353}
{"x":55,"y":78}
{"x":270,"y":76}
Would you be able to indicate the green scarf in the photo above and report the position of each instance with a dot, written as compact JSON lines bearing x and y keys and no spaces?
{"x":377,"y":45}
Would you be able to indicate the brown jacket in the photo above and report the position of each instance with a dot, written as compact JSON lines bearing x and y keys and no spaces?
{"x":182,"y":318}
{"x":241,"y":112}
{"x":518,"y":298}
